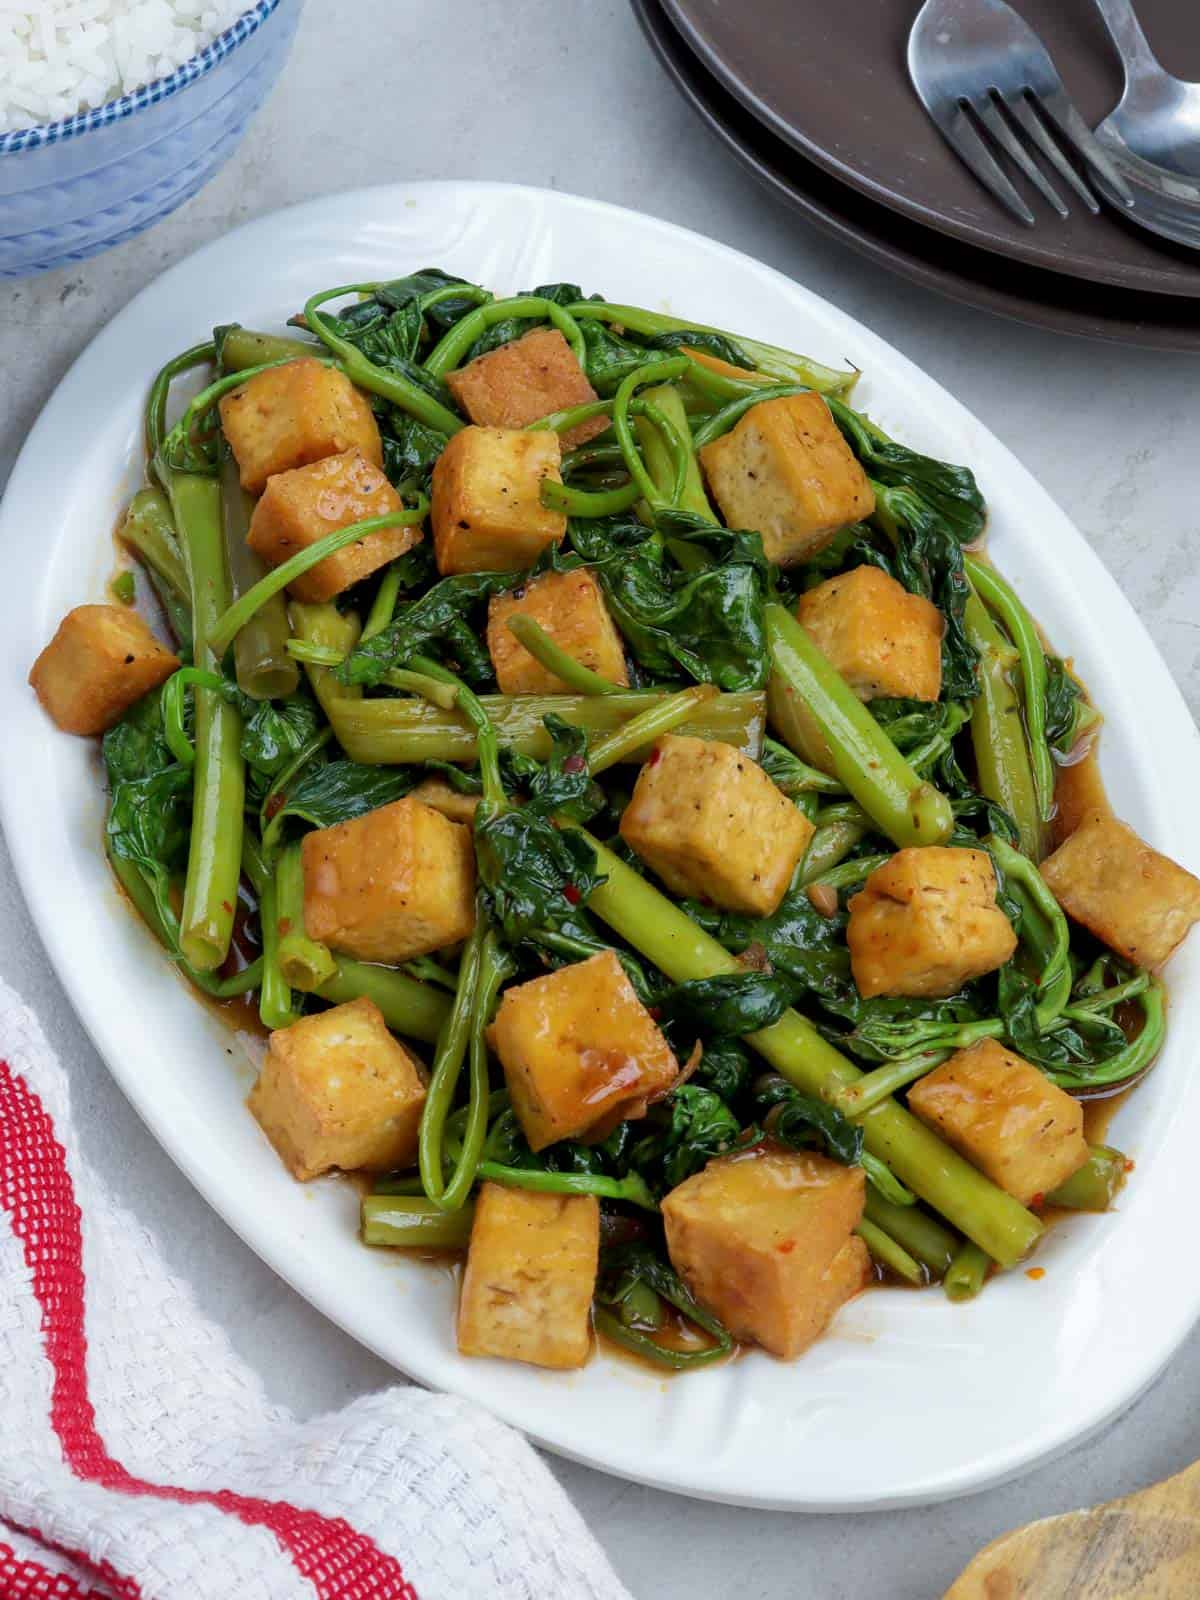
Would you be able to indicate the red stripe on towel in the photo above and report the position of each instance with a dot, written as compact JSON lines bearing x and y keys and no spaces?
{"x":37,"y":1194}
{"x":22,"y":1578}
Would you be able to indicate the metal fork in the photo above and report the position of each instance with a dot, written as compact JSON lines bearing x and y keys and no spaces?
{"x":989,"y":84}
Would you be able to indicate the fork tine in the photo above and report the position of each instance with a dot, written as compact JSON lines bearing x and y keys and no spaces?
{"x":1060,"y":107}
{"x":996,"y":124}
{"x":960,"y":132}
{"x":1033,"y":125}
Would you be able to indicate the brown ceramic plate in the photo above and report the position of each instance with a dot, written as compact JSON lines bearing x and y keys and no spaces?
{"x":974,"y":277}
{"x":831,"y":82}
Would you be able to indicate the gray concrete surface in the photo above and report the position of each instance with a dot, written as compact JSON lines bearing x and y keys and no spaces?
{"x":565,"y":94}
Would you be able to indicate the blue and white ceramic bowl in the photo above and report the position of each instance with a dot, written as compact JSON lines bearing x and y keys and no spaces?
{"x":70,"y":189}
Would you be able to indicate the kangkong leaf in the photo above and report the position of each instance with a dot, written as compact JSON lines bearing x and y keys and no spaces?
{"x":608,"y":356}
{"x":341,"y":790}
{"x":713,"y":344}
{"x":437,"y":623}
{"x":563,"y":786}
{"x":401,"y":292}
{"x":801,"y":1122}
{"x":274,"y":733}
{"x":627,"y":1273}
{"x":150,"y":805}
{"x":135,"y":747}
{"x":410,"y":452}
{"x":790,"y":940}
{"x":1066,"y":703}
{"x":950,"y":493}
{"x":710,"y":626}
{"x":695,"y":1124}
{"x":562,"y":294}
{"x":534,"y":873}
{"x":725,"y":1068}
{"x":727,"y":1006}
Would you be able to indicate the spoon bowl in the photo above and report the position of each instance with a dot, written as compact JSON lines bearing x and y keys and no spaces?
{"x":1153,"y":134}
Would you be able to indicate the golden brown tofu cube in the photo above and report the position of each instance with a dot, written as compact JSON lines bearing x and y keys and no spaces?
{"x":883,"y":640}
{"x":524,"y":381}
{"x":786,"y":471}
{"x":301,"y":506}
{"x":926,"y":922}
{"x":530,"y":1277}
{"x":1139,"y":902}
{"x":712,"y":825}
{"x":1005,"y":1117}
{"x":570,"y":607}
{"x":101,"y":660}
{"x":487,"y":510}
{"x":290,"y":415}
{"x":337,"y":1090}
{"x":393,"y":884}
{"x":764,"y":1238}
{"x":580,"y":1051}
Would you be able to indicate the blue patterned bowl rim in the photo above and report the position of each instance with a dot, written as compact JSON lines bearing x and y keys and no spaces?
{"x":148,"y":94}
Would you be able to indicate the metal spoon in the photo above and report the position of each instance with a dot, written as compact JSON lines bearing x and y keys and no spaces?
{"x":1153,"y":135}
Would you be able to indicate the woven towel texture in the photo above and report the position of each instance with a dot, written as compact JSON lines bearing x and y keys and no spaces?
{"x":140,"y":1458}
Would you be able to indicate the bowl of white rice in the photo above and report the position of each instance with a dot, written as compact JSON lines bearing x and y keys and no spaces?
{"x":113,"y":112}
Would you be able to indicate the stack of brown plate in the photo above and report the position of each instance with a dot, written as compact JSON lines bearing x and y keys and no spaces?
{"x":815,"y":100}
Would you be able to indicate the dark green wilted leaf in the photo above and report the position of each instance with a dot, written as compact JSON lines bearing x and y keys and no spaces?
{"x":274,"y":734}
{"x":801,"y":1122}
{"x":709,"y":627}
{"x":340,"y":790}
{"x":534,"y":873}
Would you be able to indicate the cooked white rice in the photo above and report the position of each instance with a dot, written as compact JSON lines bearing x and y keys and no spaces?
{"x":58,"y":57}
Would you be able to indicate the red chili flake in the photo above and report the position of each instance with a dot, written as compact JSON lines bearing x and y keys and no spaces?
{"x":1038,"y":1201}
{"x":655,"y":1012}
{"x":1129,"y":1165}
{"x":572,"y":894}
{"x":786,"y":1248}
{"x":655,"y":757}
{"x":226,"y":907}
{"x":276,"y":804}
{"x":1035,"y":1273}
{"x":574,"y":764}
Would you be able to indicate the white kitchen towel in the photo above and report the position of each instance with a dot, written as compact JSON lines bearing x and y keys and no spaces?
{"x":140,"y":1459}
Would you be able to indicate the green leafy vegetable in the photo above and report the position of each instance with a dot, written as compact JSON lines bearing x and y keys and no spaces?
{"x":339,"y":791}
{"x":801,"y":1122}
{"x":709,"y":626}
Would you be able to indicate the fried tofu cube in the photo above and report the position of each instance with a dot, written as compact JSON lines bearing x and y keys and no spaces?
{"x":580,"y":1052}
{"x":786,"y":471}
{"x":530,"y":1277}
{"x":444,"y":797}
{"x":301,"y":506}
{"x":570,"y":607}
{"x":395,"y":883}
{"x":487,"y":510}
{"x":524,"y":381}
{"x":1005,"y":1117}
{"x":337,"y":1090}
{"x":1139,"y":902}
{"x":765,"y":1239}
{"x":101,"y":660}
{"x":290,"y":415}
{"x":712,"y":825}
{"x":883,"y":640}
{"x":926,"y":922}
